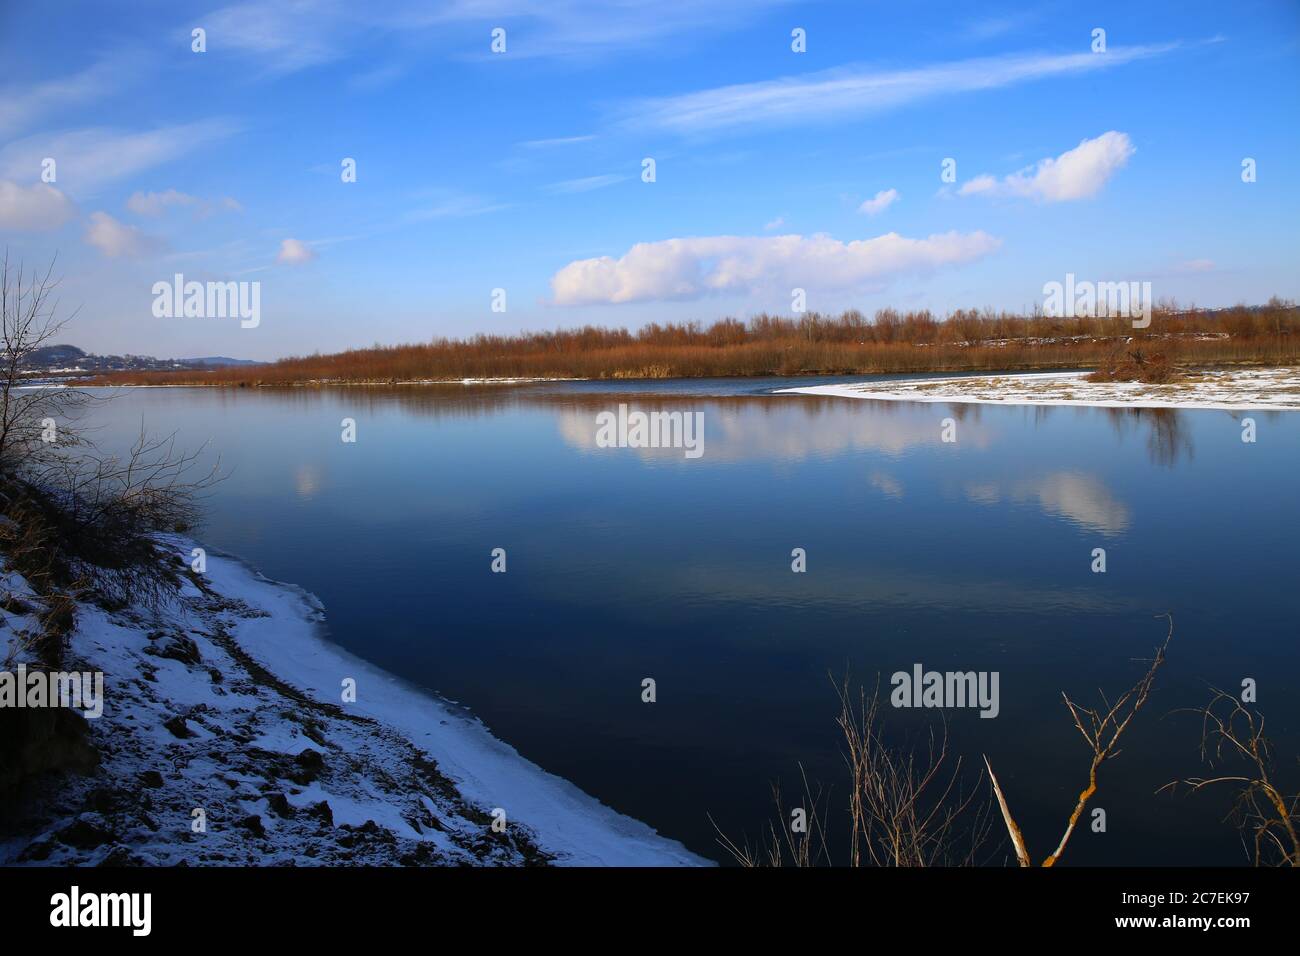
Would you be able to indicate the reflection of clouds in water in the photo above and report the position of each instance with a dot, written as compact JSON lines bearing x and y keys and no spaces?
{"x":307,"y":480}
{"x":891,"y":487}
{"x":865,"y":588}
{"x":787,"y":431}
{"x":1082,"y":499}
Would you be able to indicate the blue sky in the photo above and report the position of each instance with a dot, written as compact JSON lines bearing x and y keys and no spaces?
{"x":522,"y":170}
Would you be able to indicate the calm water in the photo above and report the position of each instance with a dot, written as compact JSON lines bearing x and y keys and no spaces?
{"x":626,"y":564}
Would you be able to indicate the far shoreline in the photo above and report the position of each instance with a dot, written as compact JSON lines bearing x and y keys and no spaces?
{"x":1233,"y":386}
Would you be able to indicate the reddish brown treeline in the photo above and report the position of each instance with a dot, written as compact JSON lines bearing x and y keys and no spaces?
{"x":892,"y":341}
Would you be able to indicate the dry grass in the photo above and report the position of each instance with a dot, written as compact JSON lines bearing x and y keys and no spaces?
{"x":906,"y":807}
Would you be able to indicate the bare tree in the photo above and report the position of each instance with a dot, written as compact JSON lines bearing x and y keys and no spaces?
{"x":34,"y":420}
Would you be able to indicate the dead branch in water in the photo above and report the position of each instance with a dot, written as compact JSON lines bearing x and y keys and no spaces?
{"x":1102,"y":728}
{"x":1230,"y":730}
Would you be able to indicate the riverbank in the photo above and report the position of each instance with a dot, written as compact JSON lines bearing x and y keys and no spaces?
{"x":228,"y":737}
{"x":1240,"y":389}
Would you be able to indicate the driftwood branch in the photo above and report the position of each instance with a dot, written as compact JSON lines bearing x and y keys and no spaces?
{"x":1102,"y":728}
{"x":1017,"y":838}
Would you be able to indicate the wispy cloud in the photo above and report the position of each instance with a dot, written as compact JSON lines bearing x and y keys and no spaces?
{"x":557,"y":141}
{"x":286,"y":36}
{"x":155,"y":204}
{"x":89,"y":158}
{"x":695,"y":267}
{"x":826,"y":95}
{"x":454,"y":206}
{"x":586,"y":183}
{"x":989,"y":28}
{"x":21,"y":104}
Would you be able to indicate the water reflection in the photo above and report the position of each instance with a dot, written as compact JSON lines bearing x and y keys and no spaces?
{"x":773,"y":427}
{"x":623,"y":564}
{"x":1167,"y":438}
{"x":1083,"y":499}
{"x":740,"y":426}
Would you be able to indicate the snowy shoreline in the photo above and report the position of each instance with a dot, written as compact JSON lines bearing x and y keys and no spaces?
{"x":231,"y":701}
{"x":1266,"y":389}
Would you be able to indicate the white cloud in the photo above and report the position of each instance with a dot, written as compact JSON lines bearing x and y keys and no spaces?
{"x":694,"y":267}
{"x":1196,"y":265}
{"x":36,"y":208}
{"x":880,"y":202}
{"x":776,"y":223}
{"x":1079,"y":173}
{"x":833,"y":93}
{"x":115,"y":239}
{"x":155,"y":204}
{"x":89,"y":158}
{"x":295,"y":252}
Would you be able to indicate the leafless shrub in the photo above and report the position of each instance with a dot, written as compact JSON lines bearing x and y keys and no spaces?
{"x":79,"y":521}
{"x":1267,"y":817}
{"x":1134,"y":365}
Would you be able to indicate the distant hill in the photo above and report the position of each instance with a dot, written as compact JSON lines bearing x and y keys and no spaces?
{"x":218,"y":361}
{"x":70,"y":360}
{"x":55,"y":355}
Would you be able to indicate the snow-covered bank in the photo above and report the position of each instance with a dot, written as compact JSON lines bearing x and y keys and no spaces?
{"x":230,"y":702}
{"x":1234,"y":389}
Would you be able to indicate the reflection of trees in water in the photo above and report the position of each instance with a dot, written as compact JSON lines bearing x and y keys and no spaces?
{"x":1167,"y":436}
{"x":1168,"y":439}
{"x":472,"y":401}
{"x":966,"y":411}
